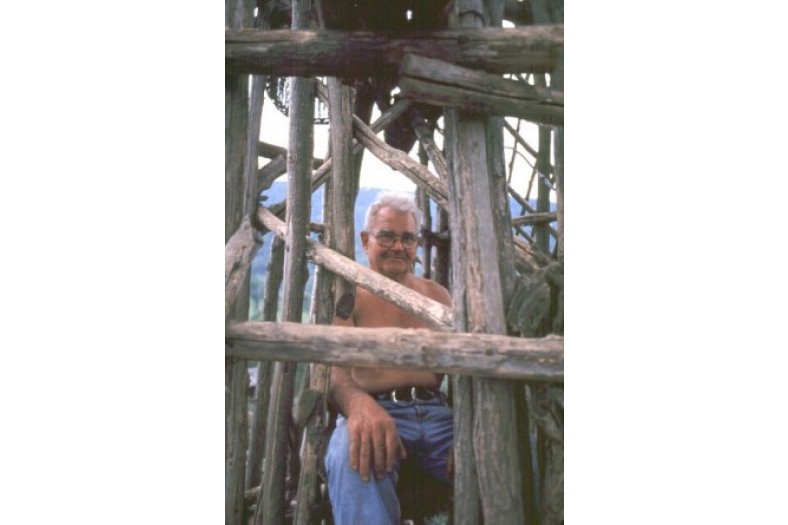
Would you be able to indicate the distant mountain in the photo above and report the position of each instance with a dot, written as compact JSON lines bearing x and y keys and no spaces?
{"x":277,"y":193}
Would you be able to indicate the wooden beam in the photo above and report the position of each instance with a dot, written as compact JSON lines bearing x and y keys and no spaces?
{"x":400,"y":161}
{"x":238,"y":254}
{"x":479,"y":308}
{"x":534,"y":218}
{"x":488,"y":355}
{"x":435,"y":314}
{"x":440,"y":83}
{"x":359,"y":53}
{"x":322,"y":173}
{"x":271,"y":151}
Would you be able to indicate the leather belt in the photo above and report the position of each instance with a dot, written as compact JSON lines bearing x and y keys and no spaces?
{"x":404,"y":394}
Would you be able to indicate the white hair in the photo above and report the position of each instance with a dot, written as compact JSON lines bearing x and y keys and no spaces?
{"x":402,"y":202}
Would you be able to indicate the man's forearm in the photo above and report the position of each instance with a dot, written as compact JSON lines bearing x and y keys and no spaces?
{"x":344,"y":390}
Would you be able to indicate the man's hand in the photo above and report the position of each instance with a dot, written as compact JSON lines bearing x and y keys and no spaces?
{"x":373,"y":438}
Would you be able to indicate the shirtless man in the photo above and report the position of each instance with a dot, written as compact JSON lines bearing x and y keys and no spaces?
{"x":385,"y":414}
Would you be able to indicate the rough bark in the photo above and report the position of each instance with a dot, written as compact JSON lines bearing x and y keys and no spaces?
{"x":479,"y":354}
{"x":535,"y":218}
{"x":335,"y":53}
{"x":274,"y":271}
{"x":238,"y":255}
{"x":474,"y":238}
{"x":434,"y":155}
{"x":439,"y":83}
{"x":235,"y":466}
{"x":237,"y":205}
{"x":271,"y":151}
{"x":301,"y":145}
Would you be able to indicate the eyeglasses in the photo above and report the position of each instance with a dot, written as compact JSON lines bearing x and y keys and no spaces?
{"x":386,"y":239}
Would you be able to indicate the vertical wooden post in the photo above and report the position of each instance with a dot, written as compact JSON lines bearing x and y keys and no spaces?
{"x":442,"y":251}
{"x":557,"y":82}
{"x":550,"y":448}
{"x":299,"y":171}
{"x":480,"y":297}
{"x":541,"y":231}
{"x":262,"y":395}
{"x":338,"y":217}
{"x":273,"y":280}
{"x":315,"y":430}
{"x":342,"y":175}
{"x":238,"y":13}
{"x":423,"y":202}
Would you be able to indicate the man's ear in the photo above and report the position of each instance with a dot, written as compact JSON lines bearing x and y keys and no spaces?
{"x":364,"y":240}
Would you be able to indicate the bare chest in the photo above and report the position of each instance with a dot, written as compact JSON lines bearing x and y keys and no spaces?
{"x":374,"y":312}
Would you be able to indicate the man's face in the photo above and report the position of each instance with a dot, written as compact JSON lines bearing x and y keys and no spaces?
{"x":394,"y":260}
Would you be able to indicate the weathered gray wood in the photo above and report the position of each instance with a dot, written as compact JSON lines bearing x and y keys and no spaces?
{"x":236,"y":118}
{"x":335,"y":53}
{"x":238,"y":255}
{"x":433,"y":81}
{"x":541,"y":232}
{"x":301,"y":145}
{"x":271,"y":151}
{"x":315,"y":433}
{"x":423,"y":203}
{"x":467,"y":507}
{"x":435,"y":314}
{"x":273,"y":272}
{"x":238,"y":13}
{"x":235,"y":467}
{"x":256,"y":444}
{"x":344,"y":189}
{"x":473,"y":236}
{"x":474,"y":239}
{"x":402,"y":162}
{"x":557,"y":81}
{"x":535,"y":218}
{"x":547,"y":398}
{"x":478,"y":354}
{"x":323,"y":172}
{"x":442,"y":250}
{"x":424,"y":134}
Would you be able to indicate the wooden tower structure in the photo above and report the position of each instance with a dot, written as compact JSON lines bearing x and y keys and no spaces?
{"x":451,"y":62}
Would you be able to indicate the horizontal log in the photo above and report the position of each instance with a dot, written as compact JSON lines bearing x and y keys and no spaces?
{"x":435,"y":314}
{"x":487,"y":355}
{"x":535,"y":218}
{"x":271,"y":151}
{"x":533,"y":49}
{"x":440,"y":83}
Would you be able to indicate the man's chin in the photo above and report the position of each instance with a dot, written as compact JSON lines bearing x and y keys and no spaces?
{"x":394,"y":266}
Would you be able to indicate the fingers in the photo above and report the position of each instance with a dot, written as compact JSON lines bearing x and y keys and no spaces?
{"x":364,"y":457}
{"x":374,"y":450}
{"x":380,"y":440}
{"x":394,"y":450}
{"x":354,"y":448}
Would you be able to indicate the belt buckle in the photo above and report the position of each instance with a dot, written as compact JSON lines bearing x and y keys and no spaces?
{"x":412,"y":395}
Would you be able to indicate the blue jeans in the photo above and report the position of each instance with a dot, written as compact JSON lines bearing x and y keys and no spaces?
{"x":426,"y":430}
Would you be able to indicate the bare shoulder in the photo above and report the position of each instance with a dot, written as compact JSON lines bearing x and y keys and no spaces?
{"x":433,"y":290}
